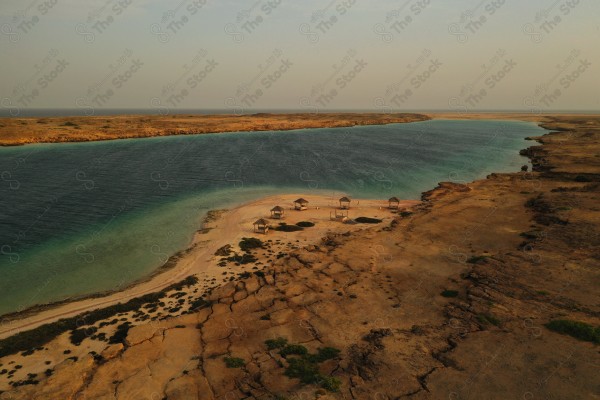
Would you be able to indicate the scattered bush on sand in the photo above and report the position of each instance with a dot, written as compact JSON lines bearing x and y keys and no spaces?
{"x":576,"y":329}
{"x":367,"y":220}
{"x":305,"y":224}
{"x":234,"y":362}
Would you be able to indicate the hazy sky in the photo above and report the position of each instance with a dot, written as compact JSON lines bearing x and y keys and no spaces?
{"x":314,"y":55}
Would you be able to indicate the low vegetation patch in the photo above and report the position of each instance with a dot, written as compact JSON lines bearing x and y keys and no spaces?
{"x":488,"y":319}
{"x":288,"y":228}
{"x":477,"y":259}
{"x":78,"y":335}
{"x":278,"y":343}
{"x":199,"y":303}
{"x":234,"y":362}
{"x":367,"y":220}
{"x":576,"y":329}
{"x":245,"y":258}
{"x":449,"y":293}
{"x":45,"y":333}
{"x":532,"y":235}
{"x":304,"y":365}
{"x":248,"y":244}
{"x":305,"y":224}
{"x":224,"y":251}
{"x":120,"y":334}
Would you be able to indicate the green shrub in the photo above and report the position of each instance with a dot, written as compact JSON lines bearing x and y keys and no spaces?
{"x":367,"y":220}
{"x":305,"y":224}
{"x":305,"y":366}
{"x":78,"y":335}
{"x":293,"y":349}
{"x":486,"y":318}
{"x":248,"y":244}
{"x":330,"y":383}
{"x":234,"y":362}
{"x":327,"y":353}
{"x":303,"y":369}
{"x":477,"y":259}
{"x":576,"y":329}
{"x":449,"y":293}
{"x":288,"y":228}
{"x":199,"y":304}
{"x":583,"y":178}
{"x":120,"y":334}
{"x":276,"y":343}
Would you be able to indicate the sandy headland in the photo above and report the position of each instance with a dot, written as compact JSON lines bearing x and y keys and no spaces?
{"x":486,"y":289}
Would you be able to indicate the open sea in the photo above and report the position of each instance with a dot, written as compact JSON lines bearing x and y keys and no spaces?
{"x":79,"y":218}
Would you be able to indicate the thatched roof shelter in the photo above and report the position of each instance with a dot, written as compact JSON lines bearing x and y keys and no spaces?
{"x":300,"y":204}
{"x":394,"y":202}
{"x":277,"y":212}
{"x":261,"y":226}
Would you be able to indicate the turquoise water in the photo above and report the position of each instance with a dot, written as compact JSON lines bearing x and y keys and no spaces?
{"x":79,"y":218}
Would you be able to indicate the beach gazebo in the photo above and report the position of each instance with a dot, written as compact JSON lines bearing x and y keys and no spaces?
{"x":300,"y":204}
{"x":344,"y":203}
{"x":394,"y":203}
{"x":277,"y":212}
{"x":261,"y":226}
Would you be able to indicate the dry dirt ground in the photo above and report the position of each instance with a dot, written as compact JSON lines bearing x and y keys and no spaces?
{"x":18,"y":131}
{"x":519,"y":249}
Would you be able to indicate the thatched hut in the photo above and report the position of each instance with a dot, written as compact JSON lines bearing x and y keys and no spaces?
{"x":393,"y":203}
{"x":277,"y":212}
{"x":261,"y":226}
{"x":300,"y":204}
{"x":344,"y":203}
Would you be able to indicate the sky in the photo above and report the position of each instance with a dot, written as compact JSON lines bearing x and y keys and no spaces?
{"x":381,"y":55}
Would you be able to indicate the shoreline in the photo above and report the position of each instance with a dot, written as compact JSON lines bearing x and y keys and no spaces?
{"x":148,"y":283}
{"x":211,"y":235}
